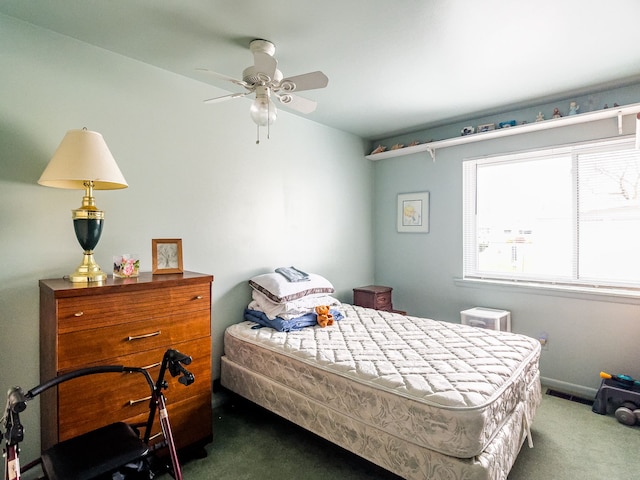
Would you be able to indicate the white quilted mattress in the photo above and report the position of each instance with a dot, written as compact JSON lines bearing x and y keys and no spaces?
{"x":443,"y":386}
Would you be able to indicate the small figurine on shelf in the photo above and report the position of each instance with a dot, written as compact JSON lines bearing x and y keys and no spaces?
{"x":540,"y":117}
{"x":487,"y":127}
{"x":414,"y":143}
{"x":397,"y":146}
{"x":573,"y":108}
{"x":556,"y":113}
{"x":379,"y":149}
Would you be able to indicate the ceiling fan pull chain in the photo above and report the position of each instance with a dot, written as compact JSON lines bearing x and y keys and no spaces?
{"x":257,"y":134}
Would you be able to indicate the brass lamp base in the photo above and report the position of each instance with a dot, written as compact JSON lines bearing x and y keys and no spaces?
{"x":87,"y":222}
{"x":88,"y":271}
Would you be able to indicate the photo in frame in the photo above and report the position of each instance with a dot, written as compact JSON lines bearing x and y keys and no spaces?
{"x":413,"y":212}
{"x":166,"y":255}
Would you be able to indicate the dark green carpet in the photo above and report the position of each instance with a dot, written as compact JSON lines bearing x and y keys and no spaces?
{"x":570,"y":442}
{"x":252,"y":443}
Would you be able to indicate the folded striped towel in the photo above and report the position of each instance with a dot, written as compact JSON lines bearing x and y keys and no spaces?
{"x":293,"y":274}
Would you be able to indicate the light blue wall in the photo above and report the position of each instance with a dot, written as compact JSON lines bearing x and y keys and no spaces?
{"x":586,"y":334}
{"x":302,"y":198}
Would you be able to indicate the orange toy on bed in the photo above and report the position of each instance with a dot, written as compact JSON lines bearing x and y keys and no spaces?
{"x":324,"y":317}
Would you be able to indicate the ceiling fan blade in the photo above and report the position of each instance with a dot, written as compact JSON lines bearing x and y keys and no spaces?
{"x":300,"y":104}
{"x":224,"y":77}
{"x":265,"y":63}
{"x":306,"y":81}
{"x":226,"y":97}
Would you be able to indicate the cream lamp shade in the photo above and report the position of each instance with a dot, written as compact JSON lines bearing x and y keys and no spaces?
{"x":83,"y":156}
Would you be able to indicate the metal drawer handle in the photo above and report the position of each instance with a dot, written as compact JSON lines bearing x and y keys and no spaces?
{"x":146,"y":335}
{"x":148,"y":367}
{"x":199,"y":297}
{"x":133,"y":402}
{"x":153,"y":365}
{"x":78,"y":314}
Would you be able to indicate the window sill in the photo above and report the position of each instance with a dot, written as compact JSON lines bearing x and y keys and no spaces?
{"x":602,"y":294}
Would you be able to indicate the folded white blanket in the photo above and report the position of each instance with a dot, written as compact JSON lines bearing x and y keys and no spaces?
{"x":292,"y":309}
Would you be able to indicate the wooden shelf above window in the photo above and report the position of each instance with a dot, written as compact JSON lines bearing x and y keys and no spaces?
{"x":431,"y":147}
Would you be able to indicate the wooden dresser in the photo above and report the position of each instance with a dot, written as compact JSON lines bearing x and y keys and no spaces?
{"x":129,"y":321}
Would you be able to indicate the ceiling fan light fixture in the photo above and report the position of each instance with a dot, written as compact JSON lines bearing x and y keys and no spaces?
{"x":263,"y":111}
{"x":265,"y":80}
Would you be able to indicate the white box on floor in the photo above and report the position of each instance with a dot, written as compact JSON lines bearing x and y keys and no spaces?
{"x":489,"y":318}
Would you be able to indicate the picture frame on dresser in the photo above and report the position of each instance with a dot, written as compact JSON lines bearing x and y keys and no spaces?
{"x":166,"y":255}
{"x":413,"y":212}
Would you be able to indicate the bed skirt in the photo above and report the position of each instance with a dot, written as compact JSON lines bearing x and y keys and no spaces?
{"x":408,"y":460}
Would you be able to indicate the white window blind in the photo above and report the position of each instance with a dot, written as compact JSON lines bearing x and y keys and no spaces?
{"x":568,"y":215}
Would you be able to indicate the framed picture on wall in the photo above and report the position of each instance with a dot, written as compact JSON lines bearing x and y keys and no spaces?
{"x":413,"y":212}
{"x":166,"y":255}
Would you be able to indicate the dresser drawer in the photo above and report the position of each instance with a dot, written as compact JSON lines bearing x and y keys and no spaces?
{"x":127,"y":395}
{"x":82,"y":313}
{"x":83,"y":347}
{"x":191,"y":421}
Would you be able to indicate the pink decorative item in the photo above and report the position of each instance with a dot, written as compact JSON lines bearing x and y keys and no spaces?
{"x":126,"y":265}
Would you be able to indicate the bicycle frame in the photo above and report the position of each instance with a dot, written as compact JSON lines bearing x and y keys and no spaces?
{"x":17,"y":403}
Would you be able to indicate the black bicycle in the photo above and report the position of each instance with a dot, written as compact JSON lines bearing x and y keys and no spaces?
{"x":114,"y":452}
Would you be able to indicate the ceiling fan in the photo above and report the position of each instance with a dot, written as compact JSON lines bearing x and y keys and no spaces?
{"x":265,"y":80}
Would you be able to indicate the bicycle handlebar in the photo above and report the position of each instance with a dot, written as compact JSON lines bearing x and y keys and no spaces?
{"x":16,"y":400}
{"x":35,"y":391}
{"x":174,"y":358}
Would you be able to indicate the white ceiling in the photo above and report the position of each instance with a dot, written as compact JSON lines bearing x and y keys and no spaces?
{"x":393,"y":66}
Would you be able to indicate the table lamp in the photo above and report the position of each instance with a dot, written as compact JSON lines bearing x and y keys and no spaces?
{"x":83,"y":162}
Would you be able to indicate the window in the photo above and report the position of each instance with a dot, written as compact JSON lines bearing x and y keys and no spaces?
{"x":568,"y":215}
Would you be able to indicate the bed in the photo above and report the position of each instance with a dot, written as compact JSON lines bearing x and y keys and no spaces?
{"x":423,"y":399}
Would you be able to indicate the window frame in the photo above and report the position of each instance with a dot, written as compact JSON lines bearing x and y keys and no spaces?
{"x":470,"y":267}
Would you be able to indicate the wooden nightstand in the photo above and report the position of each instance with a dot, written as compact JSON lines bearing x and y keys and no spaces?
{"x":377,"y":297}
